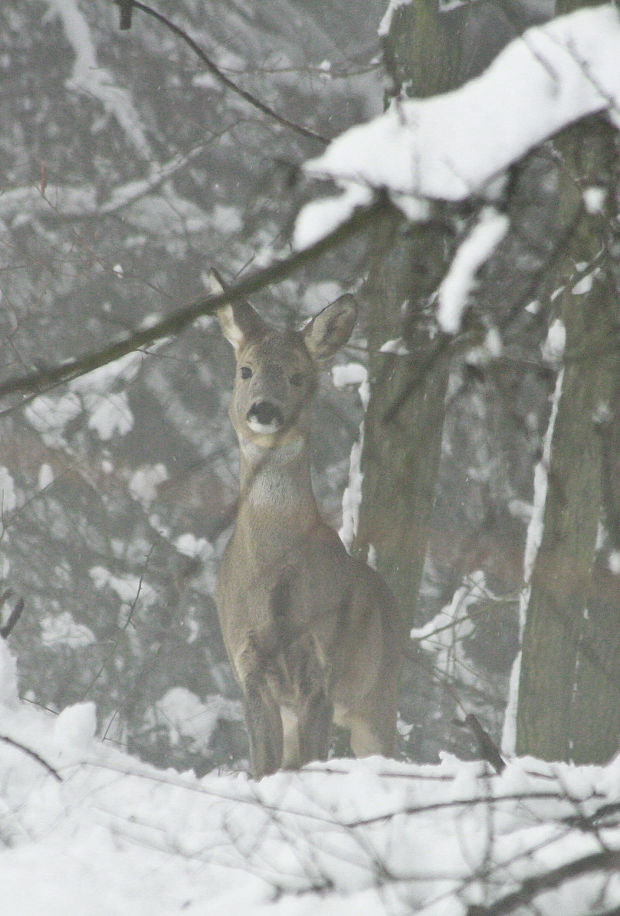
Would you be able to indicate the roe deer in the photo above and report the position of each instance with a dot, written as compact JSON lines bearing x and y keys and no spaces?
{"x":312,"y":634}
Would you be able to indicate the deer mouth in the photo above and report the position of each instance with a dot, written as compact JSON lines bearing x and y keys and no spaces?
{"x":264,"y":417}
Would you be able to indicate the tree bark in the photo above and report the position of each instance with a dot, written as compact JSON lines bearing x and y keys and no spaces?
{"x":569,"y":691}
{"x":404,"y":419}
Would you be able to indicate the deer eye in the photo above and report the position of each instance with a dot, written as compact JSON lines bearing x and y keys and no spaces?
{"x":246,"y":372}
{"x":297,"y":379}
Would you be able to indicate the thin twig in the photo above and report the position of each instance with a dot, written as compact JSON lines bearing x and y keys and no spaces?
{"x":603,"y":860}
{"x":215,"y":70}
{"x":20,"y":747}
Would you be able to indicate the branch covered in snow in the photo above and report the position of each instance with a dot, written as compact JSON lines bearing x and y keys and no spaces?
{"x":90,"y":78}
{"x":456,"y":145}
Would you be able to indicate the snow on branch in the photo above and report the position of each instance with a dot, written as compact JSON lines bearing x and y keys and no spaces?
{"x":456,"y":145}
{"x":71,"y":202}
{"x":472,"y":253}
{"x":89,"y":78}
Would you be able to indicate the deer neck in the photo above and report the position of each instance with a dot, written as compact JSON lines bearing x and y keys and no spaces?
{"x":276,"y":485}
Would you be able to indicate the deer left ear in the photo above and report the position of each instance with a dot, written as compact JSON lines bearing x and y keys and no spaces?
{"x":328,"y":331}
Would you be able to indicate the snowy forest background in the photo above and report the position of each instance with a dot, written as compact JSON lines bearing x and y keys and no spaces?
{"x":129,"y":166}
{"x":472,"y":425}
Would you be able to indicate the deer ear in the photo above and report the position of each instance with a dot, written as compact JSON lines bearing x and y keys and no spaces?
{"x":238,"y":320}
{"x":328,"y":331}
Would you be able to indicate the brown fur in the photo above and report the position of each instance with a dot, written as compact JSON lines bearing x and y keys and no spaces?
{"x":312,"y":634}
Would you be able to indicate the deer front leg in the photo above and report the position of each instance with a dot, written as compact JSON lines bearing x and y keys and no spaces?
{"x":315,"y":719}
{"x":315,"y":709}
{"x":264,"y":724}
{"x":262,"y":713}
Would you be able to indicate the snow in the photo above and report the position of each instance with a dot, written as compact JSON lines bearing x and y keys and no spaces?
{"x":444,"y":635}
{"x":594,"y":199}
{"x":109,"y":412}
{"x":459,"y":144}
{"x":8,"y":498}
{"x":90,"y":78}
{"x":474,"y":250}
{"x":319,"y":217}
{"x":491,"y":348}
{"x":187,"y":717}
{"x":88,"y":829}
{"x":191,"y":546}
{"x":128,"y":587}
{"x":46,"y":476}
{"x":349,"y":374}
{"x":353,"y":374}
{"x":556,"y":338}
{"x":396,"y":346}
{"x":144,"y":482}
{"x":63,"y":630}
{"x":386,"y":22}
{"x":552,"y":349}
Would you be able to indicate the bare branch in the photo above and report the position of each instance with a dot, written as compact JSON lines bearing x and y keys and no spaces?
{"x":6,"y":629}
{"x":215,"y":70}
{"x":606,"y":860}
{"x":20,"y":747}
{"x":43,"y":379}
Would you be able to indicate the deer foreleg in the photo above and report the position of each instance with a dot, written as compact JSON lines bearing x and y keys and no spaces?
{"x":315,"y":706}
{"x":315,"y":719}
{"x":264,"y":723}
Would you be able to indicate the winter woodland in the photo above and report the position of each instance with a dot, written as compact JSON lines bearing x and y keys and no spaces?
{"x":455,"y":167}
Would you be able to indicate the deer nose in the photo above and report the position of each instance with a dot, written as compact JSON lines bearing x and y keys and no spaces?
{"x":265,"y":414}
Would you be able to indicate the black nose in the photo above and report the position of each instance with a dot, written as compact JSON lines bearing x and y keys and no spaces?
{"x":266,"y":414}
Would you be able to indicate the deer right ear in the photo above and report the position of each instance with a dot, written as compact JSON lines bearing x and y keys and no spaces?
{"x":238,"y":320}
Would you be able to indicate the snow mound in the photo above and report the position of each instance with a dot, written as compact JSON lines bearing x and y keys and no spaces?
{"x":87,"y":829}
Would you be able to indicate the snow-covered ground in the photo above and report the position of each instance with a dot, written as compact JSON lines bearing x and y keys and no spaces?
{"x":86,"y":829}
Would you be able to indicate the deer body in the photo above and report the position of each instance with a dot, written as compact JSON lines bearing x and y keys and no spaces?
{"x":312,"y":634}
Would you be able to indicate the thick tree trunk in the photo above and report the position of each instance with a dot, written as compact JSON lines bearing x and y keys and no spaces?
{"x":404,"y":420}
{"x":426,"y":52}
{"x":569,"y":691}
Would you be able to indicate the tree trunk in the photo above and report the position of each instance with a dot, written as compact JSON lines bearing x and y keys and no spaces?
{"x":569,"y":691}
{"x":404,"y":420}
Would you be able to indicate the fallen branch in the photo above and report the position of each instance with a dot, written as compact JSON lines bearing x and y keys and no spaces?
{"x":487,"y":747}
{"x":26,"y":750}
{"x":605,"y":860}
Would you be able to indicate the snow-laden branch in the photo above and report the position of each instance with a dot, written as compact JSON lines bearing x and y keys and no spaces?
{"x":455,"y":145}
{"x":471,"y":254}
{"x":532,"y":543}
{"x":89,"y":78}
{"x":82,"y":202}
